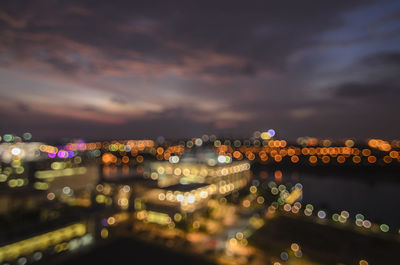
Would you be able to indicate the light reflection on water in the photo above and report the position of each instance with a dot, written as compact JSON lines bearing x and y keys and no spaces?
{"x":376,"y":199}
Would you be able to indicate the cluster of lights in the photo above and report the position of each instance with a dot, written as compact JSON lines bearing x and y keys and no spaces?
{"x":284,"y":255}
{"x":155,"y":217}
{"x":115,"y":219}
{"x":186,"y":198}
{"x":218,"y":180}
{"x":294,"y":250}
{"x":50,"y":174}
{"x":8,"y":138}
{"x":224,"y":159}
{"x":32,"y":245}
{"x":380,"y":144}
{"x":15,"y":155}
{"x":341,"y":217}
{"x":240,"y":238}
{"x":18,"y":182}
{"x":105,"y":192}
{"x":123,"y":197}
{"x":166,"y":153}
{"x":169,"y":174}
{"x":199,"y":170}
{"x":276,"y":151}
{"x":221,"y":185}
{"x":261,"y":147}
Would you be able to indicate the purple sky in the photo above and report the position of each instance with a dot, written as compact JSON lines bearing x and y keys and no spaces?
{"x":123,"y":69}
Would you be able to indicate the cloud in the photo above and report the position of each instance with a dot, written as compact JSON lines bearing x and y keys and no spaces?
{"x":224,"y":66}
{"x":12,"y":22}
{"x":367,"y":90}
{"x":89,"y":108}
{"x":383,"y":59}
{"x":231,"y":70}
{"x":259,"y":33}
{"x":23,"y":107}
{"x":63,"y":65}
{"x":119,"y":100}
{"x":382,"y":82}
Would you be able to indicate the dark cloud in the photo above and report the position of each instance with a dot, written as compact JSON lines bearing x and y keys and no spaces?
{"x":202,"y":65}
{"x":62,"y":65}
{"x":89,"y":108}
{"x":385,"y":88}
{"x":171,"y":126}
{"x":262,"y":32}
{"x":231,"y":70}
{"x":23,"y":107}
{"x":391,"y":17}
{"x":119,"y":100}
{"x":382,"y":82}
{"x":384,"y":59}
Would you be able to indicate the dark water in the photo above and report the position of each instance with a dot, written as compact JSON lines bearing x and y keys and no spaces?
{"x":378,"y":201}
{"x":376,"y":197}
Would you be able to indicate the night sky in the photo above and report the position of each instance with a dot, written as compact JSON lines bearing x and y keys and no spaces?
{"x":125,"y":69}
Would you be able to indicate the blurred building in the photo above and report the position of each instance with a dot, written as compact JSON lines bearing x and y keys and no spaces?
{"x":177,"y":188}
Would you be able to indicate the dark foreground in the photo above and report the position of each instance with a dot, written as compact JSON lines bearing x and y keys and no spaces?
{"x":131,"y":251}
